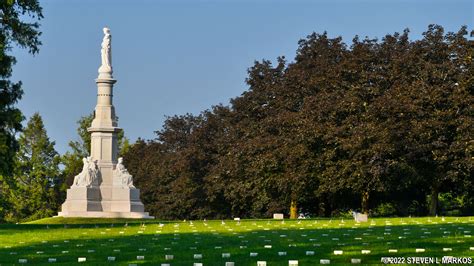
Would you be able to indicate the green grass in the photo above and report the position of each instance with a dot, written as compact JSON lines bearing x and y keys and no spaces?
{"x":97,"y":239}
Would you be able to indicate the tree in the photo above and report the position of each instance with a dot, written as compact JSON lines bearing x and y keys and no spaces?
{"x":33,"y":192}
{"x":15,"y":30}
{"x":379,"y":122}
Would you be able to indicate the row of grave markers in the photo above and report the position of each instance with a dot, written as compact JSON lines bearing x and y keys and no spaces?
{"x":252,"y":254}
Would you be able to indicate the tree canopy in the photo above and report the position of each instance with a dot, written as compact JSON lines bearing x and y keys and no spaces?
{"x":364,"y":126}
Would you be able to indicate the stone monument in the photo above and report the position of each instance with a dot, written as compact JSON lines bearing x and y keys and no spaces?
{"x":104,"y":188}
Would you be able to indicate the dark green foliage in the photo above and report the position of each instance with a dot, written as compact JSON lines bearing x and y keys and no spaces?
{"x":33,"y":190}
{"x":342,"y":127}
{"x":14,"y":30}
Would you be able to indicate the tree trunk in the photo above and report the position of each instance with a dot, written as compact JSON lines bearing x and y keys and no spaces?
{"x":434,"y":201}
{"x":365,"y":202}
{"x":293,"y":210}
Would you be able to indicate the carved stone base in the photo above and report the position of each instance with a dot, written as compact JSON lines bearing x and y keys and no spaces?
{"x":135,"y":215}
{"x":104,"y":202}
{"x":82,"y":199}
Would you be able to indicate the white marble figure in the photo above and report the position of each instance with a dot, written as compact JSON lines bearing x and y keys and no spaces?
{"x":106,"y":51}
{"x":122,"y":174}
{"x":89,"y":174}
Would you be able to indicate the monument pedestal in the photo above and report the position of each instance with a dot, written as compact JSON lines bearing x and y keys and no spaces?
{"x":104,"y":188}
{"x":104,"y":202}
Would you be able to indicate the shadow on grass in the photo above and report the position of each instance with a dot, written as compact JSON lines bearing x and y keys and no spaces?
{"x":96,"y":242}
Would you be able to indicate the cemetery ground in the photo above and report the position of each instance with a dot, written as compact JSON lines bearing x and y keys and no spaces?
{"x":153,"y":242}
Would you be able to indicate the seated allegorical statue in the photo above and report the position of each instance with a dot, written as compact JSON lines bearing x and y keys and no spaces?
{"x":122,"y":174}
{"x":89,"y":175}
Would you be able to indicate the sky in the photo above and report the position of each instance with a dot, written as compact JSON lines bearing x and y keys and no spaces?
{"x":177,"y":57}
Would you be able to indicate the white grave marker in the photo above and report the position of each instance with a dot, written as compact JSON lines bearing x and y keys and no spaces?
{"x":356,"y":261}
{"x":292,"y":263}
{"x":324,"y":261}
{"x":278,"y":216}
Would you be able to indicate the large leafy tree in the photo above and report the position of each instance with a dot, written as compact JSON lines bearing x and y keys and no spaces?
{"x":15,"y":29}
{"x":36,"y":179}
{"x":380,"y":121}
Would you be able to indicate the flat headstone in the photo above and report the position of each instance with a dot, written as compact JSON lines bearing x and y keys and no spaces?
{"x":471,"y":248}
{"x":117,"y":250}
{"x":140,"y":257}
{"x":81,"y":259}
{"x":169,"y":257}
{"x":22,"y":261}
{"x":267,"y":246}
{"x":419,"y":250}
{"x":278,"y":216}
{"x":197,"y":256}
{"x":282,"y":253}
{"x":229,"y":263}
{"x":324,"y":261}
{"x":356,"y":261}
{"x":164,"y":264}
{"x":261,"y":263}
{"x":50,"y":260}
{"x":197,"y":264}
{"x":338,"y":252}
{"x":225,"y":255}
{"x":365,"y":251}
{"x":292,"y":263}
{"x":253,"y":254}
{"x":111,"y":258}
{"x":310,"y":253}
{"x":447,"y":249}
{"x":392,"y":250}
{"x":65,"y":251}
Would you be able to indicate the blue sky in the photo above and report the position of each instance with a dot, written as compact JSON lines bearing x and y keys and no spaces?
{"x":177,"y":57}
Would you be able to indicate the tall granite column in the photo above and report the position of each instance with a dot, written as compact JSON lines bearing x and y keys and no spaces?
{"x":104,"y":188}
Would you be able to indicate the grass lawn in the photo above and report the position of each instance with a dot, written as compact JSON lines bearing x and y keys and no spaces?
{"x":97,"y":239}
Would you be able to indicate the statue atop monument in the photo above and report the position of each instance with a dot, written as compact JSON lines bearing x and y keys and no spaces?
{"x":89,"y":175}
{"x":106,"y":52}
{"x":122,"y":174}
